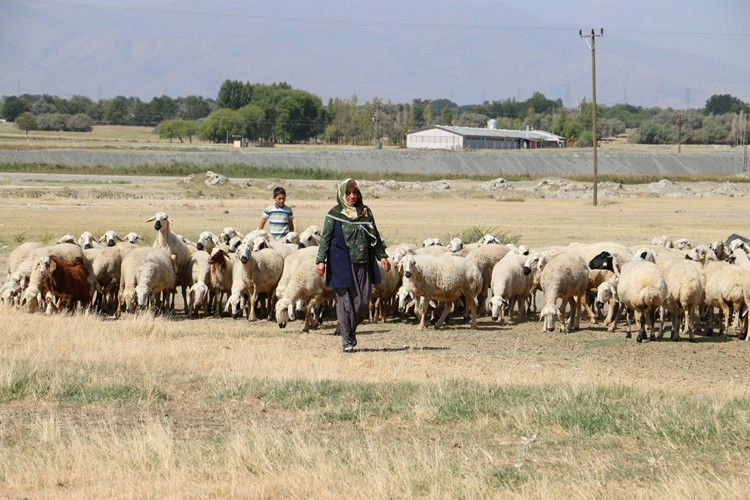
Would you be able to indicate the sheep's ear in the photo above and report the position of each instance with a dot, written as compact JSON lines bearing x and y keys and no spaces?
{"x":151,"y":219}
{"x":52,"y":265}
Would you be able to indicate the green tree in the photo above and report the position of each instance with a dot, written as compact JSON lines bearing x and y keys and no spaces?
{"x":26,"y":121}
{"x":221,"y":125}
{"x":79,"y":122}
{"x":13,"y":107}
{"x":720,"y":104}
{"x":234,"y":94}
{"x":252,"y":118}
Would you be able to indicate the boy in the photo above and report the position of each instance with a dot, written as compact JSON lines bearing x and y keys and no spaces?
{"x":279,"y":216}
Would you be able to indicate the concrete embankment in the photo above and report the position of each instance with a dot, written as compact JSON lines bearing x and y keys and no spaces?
{"x":533,"y":163}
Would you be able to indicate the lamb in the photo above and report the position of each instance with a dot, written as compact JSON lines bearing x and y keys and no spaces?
{"x":304,"y":285}
{"x":261,"y":274}
{"x":66,"y":280}
{"x":566,"y":277}
{"x":485,"y":257}
{"x":383,"y":292}
{"x":641,"y":287}
{"x":509,"y":286}
{"x":173,"y":245}
{"x":147,"y":272}
{"x":107,"y":265}
{"x":446,"y":279}
{"x":220,"y":265}
{"x":198,"y":271}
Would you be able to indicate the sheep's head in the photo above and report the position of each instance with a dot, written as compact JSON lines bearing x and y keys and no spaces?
{"x":550,"y":314}
{"x":87,"y":240}
{"x":160,"y":220}
{"x":207,"y":241}
{"x":235,"y":305}
{"x":535,"y":261}
{"x":110,"y":238}
{"x":133,"y":237}
{"x":284,"y":312}
{"x":456,"y":245}
{"x":227,"y":234}
{"x":408,"y":265}
{"x":497,"y":303}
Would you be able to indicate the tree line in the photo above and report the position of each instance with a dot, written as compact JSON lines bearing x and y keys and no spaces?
{"x":282,"y":114}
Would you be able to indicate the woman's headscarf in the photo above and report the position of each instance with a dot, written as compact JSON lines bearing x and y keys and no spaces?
{"x":349,"y":211}
{"x":355,"y":218}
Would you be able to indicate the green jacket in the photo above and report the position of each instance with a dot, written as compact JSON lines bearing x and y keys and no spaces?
{"x":361,"y":236}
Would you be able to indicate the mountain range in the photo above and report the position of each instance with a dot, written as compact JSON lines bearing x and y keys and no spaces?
{"x":468,"y":52}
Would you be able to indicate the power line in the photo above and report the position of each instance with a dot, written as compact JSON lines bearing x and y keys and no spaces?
{"x":350,"y":22}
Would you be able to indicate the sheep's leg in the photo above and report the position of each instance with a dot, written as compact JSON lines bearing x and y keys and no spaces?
{"x":651,"y":320}
{"x":447,"y":309}
{"x":583,"y":300}
{"x":642,"y":326}
{"x":422,"y":305}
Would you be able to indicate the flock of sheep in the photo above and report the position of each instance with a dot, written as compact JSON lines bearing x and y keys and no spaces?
{"x":255,"y":276}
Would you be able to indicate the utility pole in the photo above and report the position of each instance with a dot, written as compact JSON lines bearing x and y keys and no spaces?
{"x":591,"y":42}
{"x":376,"y":121}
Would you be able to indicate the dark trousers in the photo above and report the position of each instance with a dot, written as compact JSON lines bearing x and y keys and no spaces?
{"x":353,"y":304}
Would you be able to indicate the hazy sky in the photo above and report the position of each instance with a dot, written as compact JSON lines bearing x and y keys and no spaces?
{"x":718,"y":28}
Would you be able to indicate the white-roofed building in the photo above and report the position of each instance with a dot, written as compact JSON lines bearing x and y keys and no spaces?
{"x":450,"y":137}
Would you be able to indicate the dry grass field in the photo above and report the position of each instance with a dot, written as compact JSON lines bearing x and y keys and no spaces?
{"x":165,"y":407}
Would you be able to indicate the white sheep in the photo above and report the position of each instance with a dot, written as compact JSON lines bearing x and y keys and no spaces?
{"x":304,"y":285}
{"x":146,"y":273}
{"x":564,"y":277}
{"x":641,"y":288}
{"x":107,"y":266}
{"x":685,"y":293}
{"x":20,"y":253}
{"x":263,"y":270}
{"x":173,"y":245}
{"x":384,"y":292}
{"x":445,"y":279}
{"x":509,"y":285}
{"x":724,"y":289}
{"x":485,"y":257}
{"x":219,"y":279}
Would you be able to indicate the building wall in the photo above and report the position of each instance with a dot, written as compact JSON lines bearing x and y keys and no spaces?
{"x":434,"y":139}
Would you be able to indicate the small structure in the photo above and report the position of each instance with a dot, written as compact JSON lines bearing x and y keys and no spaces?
{"x":450,"y":137}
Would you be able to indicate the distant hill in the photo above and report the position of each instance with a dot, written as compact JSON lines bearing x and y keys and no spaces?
{"x":391,"y":49}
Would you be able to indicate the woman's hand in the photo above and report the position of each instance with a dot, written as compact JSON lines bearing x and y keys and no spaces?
{"x":386,"y":264}
{"x":321,"y":269}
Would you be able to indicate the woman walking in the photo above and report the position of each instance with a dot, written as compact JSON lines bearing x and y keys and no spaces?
{"x":348,"y":256}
